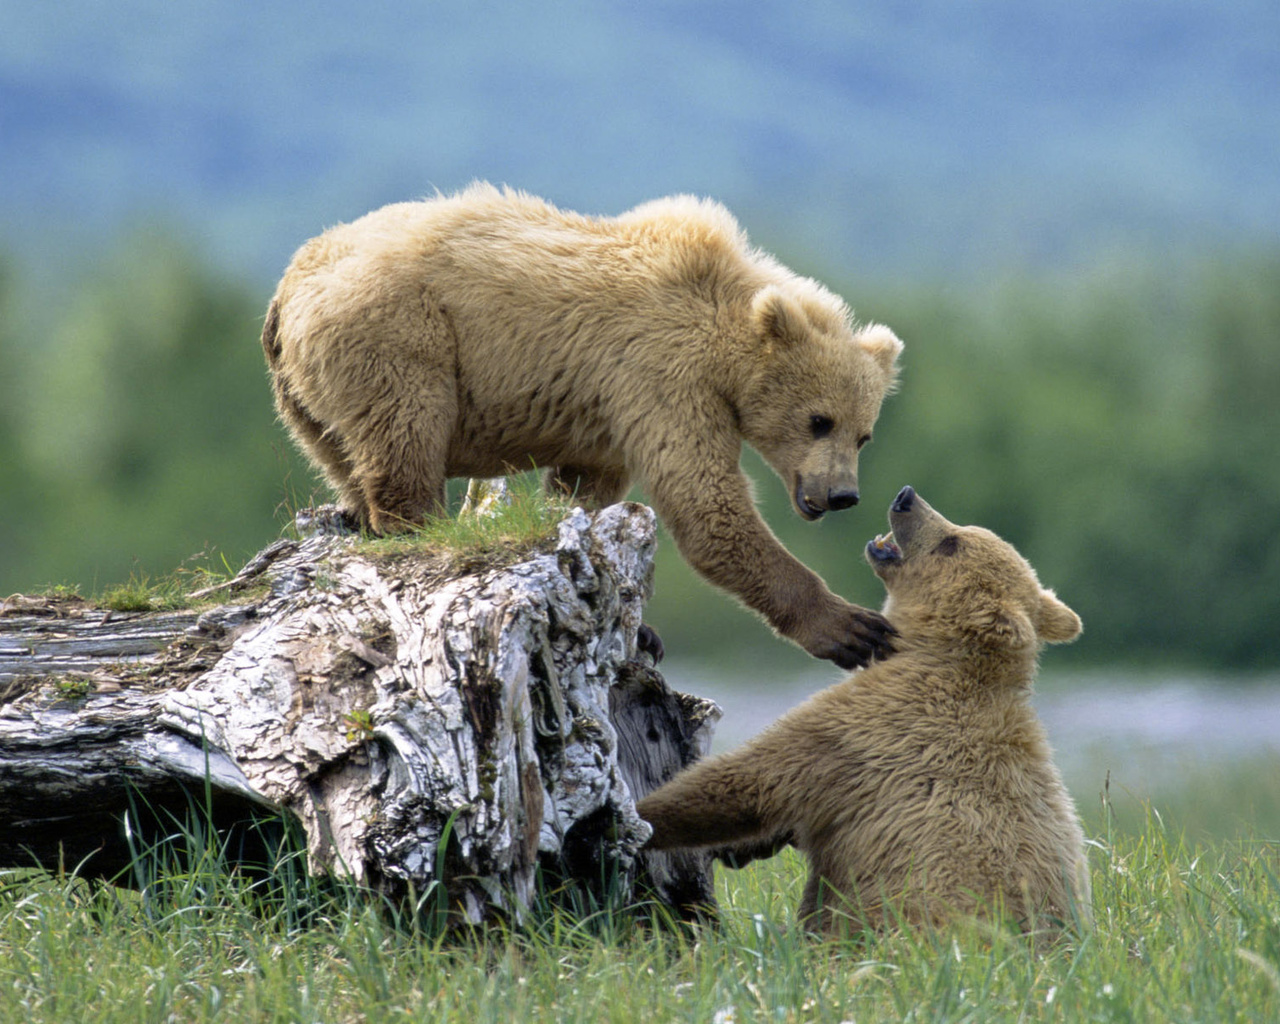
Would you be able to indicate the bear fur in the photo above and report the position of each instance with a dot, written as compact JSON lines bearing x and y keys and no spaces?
{"x":474,"y":334}
{"x":923,"y":786}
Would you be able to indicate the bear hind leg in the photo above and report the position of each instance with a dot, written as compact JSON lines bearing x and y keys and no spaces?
{"x":319,"y":443}
{"x":400,"y":439}
{"x":829,"y":906}
{"x":400,"y":465}
{"x":593,"y":488}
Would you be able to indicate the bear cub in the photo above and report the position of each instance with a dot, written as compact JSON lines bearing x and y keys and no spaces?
{"x":923,"y":786}
{"x":469,"y":334}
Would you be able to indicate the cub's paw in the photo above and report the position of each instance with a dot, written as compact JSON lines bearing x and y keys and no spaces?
{"x":852,"y":637}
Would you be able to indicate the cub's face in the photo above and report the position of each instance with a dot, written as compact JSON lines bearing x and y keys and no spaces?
{"x":963,"y":582}
{"x":816,"y":398}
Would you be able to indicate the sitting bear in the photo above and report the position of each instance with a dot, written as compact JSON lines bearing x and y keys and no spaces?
{"x":488,"y":331}
{"x":924,"y":785}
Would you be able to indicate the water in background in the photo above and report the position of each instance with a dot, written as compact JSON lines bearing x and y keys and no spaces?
{"x":1142,"y":734}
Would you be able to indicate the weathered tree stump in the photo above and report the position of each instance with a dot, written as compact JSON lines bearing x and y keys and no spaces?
{"x":407,"y":712}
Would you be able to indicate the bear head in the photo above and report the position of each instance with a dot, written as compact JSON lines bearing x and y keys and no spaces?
{"x":816,"y":392}
{"x":963,"y":585}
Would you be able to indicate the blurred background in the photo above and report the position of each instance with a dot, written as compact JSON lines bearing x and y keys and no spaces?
{"x":1069,"y":212}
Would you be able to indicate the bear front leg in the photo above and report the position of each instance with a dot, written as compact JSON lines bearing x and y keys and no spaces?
{"x":835,"y":630}
{"x":718,"y":531}
{"x":712,"y":803}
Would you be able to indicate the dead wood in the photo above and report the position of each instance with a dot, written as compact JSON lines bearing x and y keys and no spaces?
{"x":407,"y":715}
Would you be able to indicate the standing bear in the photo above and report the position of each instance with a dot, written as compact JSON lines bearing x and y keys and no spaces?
{"x":923,"y":786}
{"x":474,"y":334}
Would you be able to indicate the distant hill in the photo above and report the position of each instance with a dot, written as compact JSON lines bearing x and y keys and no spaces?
{"x":930,"y":138}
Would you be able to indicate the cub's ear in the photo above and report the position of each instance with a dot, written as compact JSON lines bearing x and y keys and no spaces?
{"x":882,"y":345}
{"x":778,"y":319}
{"x":1055,"y":622}
{"x":1010,"y":626}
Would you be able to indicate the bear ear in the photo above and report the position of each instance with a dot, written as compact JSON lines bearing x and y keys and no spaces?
{"x":778,"y":319}
{"x":1010,"y":626}
{"x":1055,"y":622}
{"x":882,"y":345}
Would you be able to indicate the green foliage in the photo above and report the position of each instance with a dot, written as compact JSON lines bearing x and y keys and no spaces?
{"x":73,"y":688}
{"x":1182,"y":933}
{"x":1117,"y":426}
{"x":141,"y":428}
{"x":359,"y":725}
{"x":1118,"y":430}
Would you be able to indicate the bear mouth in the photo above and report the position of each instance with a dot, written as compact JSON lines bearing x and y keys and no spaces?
{"x":884,"y":550}
{"x":806,"y":508}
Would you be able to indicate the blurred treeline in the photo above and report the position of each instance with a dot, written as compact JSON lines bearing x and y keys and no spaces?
{"x":136,"y":428}
{"x":1119,"y":426}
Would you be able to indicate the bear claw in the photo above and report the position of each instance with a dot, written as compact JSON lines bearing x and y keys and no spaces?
{"x":648,"y":642}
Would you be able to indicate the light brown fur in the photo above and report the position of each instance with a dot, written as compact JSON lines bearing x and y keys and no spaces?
{"x":471,"y":334}
{"x":923,"y":786}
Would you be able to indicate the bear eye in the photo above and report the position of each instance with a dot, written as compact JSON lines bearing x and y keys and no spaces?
{"x":949,"y":545}
{"x":820,"y":426}
{"x":863,"y":440}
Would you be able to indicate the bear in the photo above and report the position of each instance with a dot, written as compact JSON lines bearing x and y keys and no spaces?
{"x":922,"y":787}
{"x":473,"y":334}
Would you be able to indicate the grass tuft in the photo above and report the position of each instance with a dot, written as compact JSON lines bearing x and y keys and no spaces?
{"x":527,"y":522}
{"x":141,"y":593}
{"x":1184,"y":932}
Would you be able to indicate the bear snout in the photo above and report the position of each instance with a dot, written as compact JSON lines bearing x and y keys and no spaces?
{"x":914,"y":522}
{"x":814,"y":504}
{"x":907,"y":515}
{"x":842,"y":498}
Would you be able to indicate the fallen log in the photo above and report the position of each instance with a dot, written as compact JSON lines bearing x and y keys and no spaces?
{"x":424,"y":719}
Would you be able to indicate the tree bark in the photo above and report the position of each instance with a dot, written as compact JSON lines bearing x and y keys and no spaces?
{"x":422,"y":721}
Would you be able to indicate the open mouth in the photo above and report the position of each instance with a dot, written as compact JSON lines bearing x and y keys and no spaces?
{"x":805,"y":507}
{"x":884,"y":549}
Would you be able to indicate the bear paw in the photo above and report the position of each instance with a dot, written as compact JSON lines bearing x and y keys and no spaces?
{"x":851,"y":636}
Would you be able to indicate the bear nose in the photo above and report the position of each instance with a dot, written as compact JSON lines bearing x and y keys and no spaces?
{"x":846,"y":498}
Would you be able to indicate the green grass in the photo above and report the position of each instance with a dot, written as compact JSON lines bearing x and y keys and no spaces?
{"x":172,"y":591}
{"x":466,"y":541}
{"x":1203,"y":798}
{"x":530,"y":519}
{"x":1184,"y":933}
{"x":142,"y":593}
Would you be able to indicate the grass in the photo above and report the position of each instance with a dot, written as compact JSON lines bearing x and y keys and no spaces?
{"x":527,"y":521}
{"x":1201,"y":799}
{"x":1184,"y":933}
{"x":1188,"y":929}
{"x":142,"y":593}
